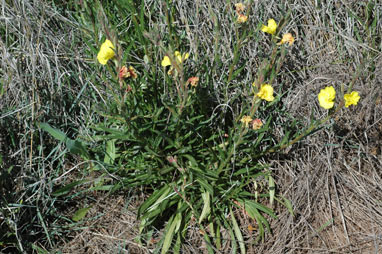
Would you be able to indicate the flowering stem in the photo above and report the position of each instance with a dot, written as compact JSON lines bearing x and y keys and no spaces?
{"x":305,"y":133}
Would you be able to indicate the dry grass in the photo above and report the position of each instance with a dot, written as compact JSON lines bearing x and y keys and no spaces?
{"x":38,"y":82}
{"x":332,"y":178}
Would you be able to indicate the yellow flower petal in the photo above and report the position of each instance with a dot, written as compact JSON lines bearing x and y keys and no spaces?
{"x":179,"y":57}
{"x":270,"y":28}
{"x":166,"y":61}
{"x":106,"y":52}
{"x":266,"y":92}
{"x":326,"y":97}
{"x":351,"y":99}
{"x":185,"y":56}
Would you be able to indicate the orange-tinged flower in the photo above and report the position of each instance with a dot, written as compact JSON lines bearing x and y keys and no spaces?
{"x":193,"y":81}
{"x":257,"y":124}
{"x":326,"y":97}
{"x":251,"y":228}
{"x":246,"y":120}
{"x":122,"y":72}
{"x":266,"y":92}
{"x":287,"y":38}
{"x":351,"y":98}
{"x":270,"y":28}
{"x":125,"y":72}
{"x":106,"y":52}
{"x":242,"y":18}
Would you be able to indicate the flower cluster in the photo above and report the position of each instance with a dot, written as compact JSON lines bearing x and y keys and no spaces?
{"x":125,"y":72}
{"x":271,"y":28}
{"x":107,"y":52}
{"x":255,"y":123}
{"x":327,"y":96}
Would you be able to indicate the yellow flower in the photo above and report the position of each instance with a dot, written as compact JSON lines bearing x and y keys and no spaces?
{"x":326,"y":97}
{"x":287,"y":38}
{"x":266,"y":92}
{"x":246,"y":120}
{"x":242,"y":18}
{"x":178,"y":57}
{"x":270,"y":28}
{"x":106,"y":52}
{"x":351,"y":98}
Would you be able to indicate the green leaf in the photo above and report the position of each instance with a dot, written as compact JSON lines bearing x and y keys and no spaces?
{"x":170,"y":233}
{"x":110,"y":152}
{"x":251,"y":205}
{"x":74,"y":146}
{"x":77,"y":147}
{"x":287,"y":204}
{"x":206,"y":206}
{"x":272,"y":189}
{"x":57,"y":134}
{"x":36,"y":248}
{"x":154,"y":197}
{"x":65,"y":190}
{"x":237,"y":231}
{"x":206,"y":185}
{"x":330,"y":221}
{"x":80,"y":214}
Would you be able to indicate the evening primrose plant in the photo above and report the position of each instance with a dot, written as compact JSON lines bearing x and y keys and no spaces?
{"x":162,"y":130}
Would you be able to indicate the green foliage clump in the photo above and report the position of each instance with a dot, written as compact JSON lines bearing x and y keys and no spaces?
{"x":196,"y":151}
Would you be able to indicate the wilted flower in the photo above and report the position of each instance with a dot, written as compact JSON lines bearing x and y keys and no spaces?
{"x":240,"y":7}
{"x":266,"y":92}
{"x":193,"y":81}
{"x":287,"y":38}
{"x":270,"y":28}
{"x":171,"y":159}
{"x":257,"y":124}
{"x":242,"y":18}
{"x":326,"y":97}
{"x":246,"y":120}
{"x":106,"y":52}
{"x":351,"y":99}
{"x":128,"y":89}
{"x":125,"y":72}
